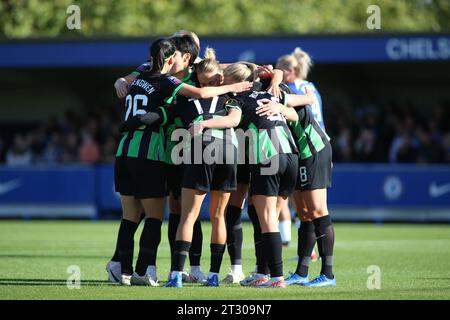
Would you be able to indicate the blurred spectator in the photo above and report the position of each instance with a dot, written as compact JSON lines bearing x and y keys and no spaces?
{"x":19,"y":154}
{"x":70,"y":149}
{"x":406,"y":150}
{"x":109,"y":150}
{"x":428,"y":150}
{"x":343,"y":150}
{"x":391,"y":132}
{"x":2,"y":150}
{"x":446,"y":147}
{"x":52,"y":151}
{"x":89,"y":151}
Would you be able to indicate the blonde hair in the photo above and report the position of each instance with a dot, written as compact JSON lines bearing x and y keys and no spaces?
{"x":287,"y":62}
{"x":241,"y":71}
{"x":304,"y":63}
{"x":209,"y":64}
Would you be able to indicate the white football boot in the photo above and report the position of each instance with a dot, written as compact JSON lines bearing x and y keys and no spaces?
{"x":148,"y":279}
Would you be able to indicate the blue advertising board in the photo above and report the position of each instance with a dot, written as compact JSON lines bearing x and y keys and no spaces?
{"x":393,"y":186}
{"x":323,"y":49}
{"x":48,"y":191}
{"x":107,"y":197}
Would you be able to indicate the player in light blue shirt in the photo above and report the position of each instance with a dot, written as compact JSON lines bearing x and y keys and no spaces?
{"x":296,"y":67}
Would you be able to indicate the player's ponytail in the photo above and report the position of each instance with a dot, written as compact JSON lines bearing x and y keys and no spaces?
{"x":241,"y":71}
{"x":210,"y":54}
{"x":304,"y":63}
{"x":160,"y":51}
{"x":209,"y":64}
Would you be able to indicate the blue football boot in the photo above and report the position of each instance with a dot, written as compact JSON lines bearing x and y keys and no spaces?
{"x":294,"y":278}
{"x":321,"y":281}
{"x":175,"y":282}
{"x":212,"y":281}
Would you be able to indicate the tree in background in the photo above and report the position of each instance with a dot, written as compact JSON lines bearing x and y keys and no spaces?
{"x":47,"y":18}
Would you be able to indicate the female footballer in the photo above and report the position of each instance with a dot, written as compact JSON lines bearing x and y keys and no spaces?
{"x":314,"y":177}
{"x":140,"y":175}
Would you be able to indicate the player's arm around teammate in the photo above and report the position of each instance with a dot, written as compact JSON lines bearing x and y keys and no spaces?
{"x":122,"y":84}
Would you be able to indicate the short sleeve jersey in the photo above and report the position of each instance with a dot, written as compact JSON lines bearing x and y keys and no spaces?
{"x":189,"y":110}
{"x":271,"y":135}
{"x":309,"y":135}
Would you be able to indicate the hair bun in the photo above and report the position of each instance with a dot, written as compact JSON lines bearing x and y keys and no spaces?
{"x":210,"y":54}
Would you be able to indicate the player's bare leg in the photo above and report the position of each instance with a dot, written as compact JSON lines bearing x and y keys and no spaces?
{"x":316,"y":226}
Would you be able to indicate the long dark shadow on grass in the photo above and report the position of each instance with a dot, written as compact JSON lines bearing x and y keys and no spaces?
{"x":39,"y":256}
{"x":47,"y":282}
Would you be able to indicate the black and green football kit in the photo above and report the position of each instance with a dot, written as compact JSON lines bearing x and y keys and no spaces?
{"x":271,"y":143}
{"x":243,"y":169}
{"x":315,"y":153}
{"x":174,"y":172}
{"x":139,"y":167}
{"x":209,"y":160}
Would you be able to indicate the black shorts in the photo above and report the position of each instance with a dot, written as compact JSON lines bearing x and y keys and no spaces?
{"x":282,"y":183}
{"x":174,"y":177}
{"x":243,"y":173}
{"x":141,"y":178}
{"x":207,"y":177}
{"x":315,"y":172}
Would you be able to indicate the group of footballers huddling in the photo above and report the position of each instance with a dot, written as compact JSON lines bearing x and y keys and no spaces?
{"x":194,"y":126}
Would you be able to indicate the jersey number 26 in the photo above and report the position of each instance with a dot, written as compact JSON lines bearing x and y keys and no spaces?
{"x":131,"y":103}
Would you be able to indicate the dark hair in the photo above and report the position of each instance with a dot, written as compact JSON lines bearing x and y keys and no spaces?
{"x":186,"y":44}
{"x":160,"y":50}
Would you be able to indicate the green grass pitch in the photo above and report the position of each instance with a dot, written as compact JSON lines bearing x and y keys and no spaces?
{"x":34,"y":256}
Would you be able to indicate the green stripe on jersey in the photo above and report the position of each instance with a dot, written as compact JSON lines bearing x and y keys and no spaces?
{"x":153,"y":149}
{"x":263,"y":148}
{"x":302,"y":143}
{"x":174,"y":93}
{"x":316,"y":139}
{"x":163,"y":111}
{"x":307,"y":137}
{"x":120,"y":147}
{"x":135,"y":142}
{"x":284,"y":140}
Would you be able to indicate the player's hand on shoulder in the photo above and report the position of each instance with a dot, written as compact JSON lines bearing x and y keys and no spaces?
{"x":196,"y":128}
{"x":274,"y":90}
{"x":310,"y":95}
{"x":121,"y":86}
{"x":267,"y":108}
